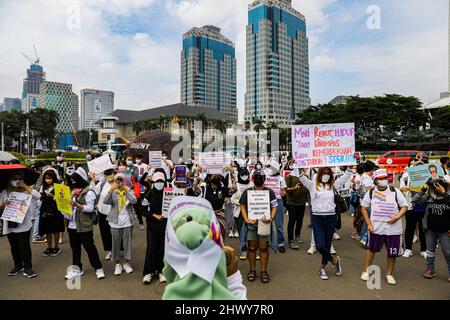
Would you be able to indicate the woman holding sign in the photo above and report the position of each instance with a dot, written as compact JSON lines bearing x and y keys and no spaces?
{"x":16,"y":203}
{"x":323,"y":189}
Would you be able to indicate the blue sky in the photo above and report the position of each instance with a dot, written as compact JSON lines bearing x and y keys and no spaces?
{"x":133,"y":46}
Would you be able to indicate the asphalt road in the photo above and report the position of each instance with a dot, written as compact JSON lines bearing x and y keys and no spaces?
{"x":294,"y":275}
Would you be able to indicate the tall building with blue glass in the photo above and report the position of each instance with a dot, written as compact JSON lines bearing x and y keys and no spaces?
{"x":208,"y":71}
{"x":277,"y":62}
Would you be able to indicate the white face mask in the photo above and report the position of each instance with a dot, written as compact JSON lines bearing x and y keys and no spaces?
{"x":138,"y":161}
{"x":326,"y":178}
{"x":244,"y":178}
{"x":129,"y":163}
{"x":15,"y":183}
{"x":159,"y":186}
{"x":383,"y":183}
{"x":164,"y":158}
{"x":354,"y":171}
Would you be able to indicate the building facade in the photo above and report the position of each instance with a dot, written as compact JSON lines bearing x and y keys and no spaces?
{"x":208,"y":71}
{"x":31,"y":84}
{"x":95,"y":104}
{"x":12,"y":104}
{"x":58,"y":96}
{"x":75,"y":112}
{"x":31,"y":102}
{"x":277,"y":62}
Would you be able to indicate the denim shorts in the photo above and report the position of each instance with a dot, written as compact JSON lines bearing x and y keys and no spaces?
{"x":252,"y":235}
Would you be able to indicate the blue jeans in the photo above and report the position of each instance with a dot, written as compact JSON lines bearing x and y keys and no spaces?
{"x":353,"y":197}
{"x":323,"y":227}
{"x":279,"y":223}
{"x":363,"y":232}
{"x":444,"y":241}
{"x":36,"y":235}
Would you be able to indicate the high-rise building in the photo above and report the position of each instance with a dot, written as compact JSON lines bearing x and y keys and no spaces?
{"x":31,"y":84}
{"x":75,"y":112}
{"x":208,"y":71}
{"x":277,"y":62}
{"x":12,"y":104}
{"x":95,"y":104}
{"x":31,"y":102}
{"x":58,"y":96}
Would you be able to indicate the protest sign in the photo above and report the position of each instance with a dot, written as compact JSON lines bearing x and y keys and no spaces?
{"x":168,"y":196}
{"x":180,"y":174}
{"x":274,"y":184}
{"x":258,"y":204}
{"x":419,"y":175}
{"x":16,"y":210}
{"x":383,"y":207}
{"x":62,"y":197}
{"x":214,"y":162}
{"x":100,"y":165}
{"x":324,"y":145}
{"x":155,"y":159}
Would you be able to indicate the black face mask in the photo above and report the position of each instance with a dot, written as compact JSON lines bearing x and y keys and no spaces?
{"x":259,"y":181}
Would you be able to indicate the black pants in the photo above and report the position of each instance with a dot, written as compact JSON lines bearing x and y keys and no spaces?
{"x":85,"y":239}
{"x":105,"y":232}
{"x":154,"y":257}
{"x":412,"y":219}
{"x":21,"y":249}
{"x":138,"y":210}
{"x":296,"y":214}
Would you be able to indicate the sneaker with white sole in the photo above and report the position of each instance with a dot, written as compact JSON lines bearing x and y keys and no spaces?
{"x":323,"y":274}
{"x":336,"y":236}
{"x":29,"y":273}
{"x":231,"y":234}
{"x":243,"y":255}
{"x":298,"y":240}
{"x":73,"y":273}
{"x":162,"y":279}
{"x":338,"y":266}
{"x":118,"y":270}
{"x":391,"y":280}
{"x":365,"y":276}
{"x":423,"y":254}
{"x":128,"y":269}
{"x":141,"y":227}
{"x":407,"y":254}
{"x":108,"y":255}
{"x":236,"y":234}
{"x":147,"y":279}
{"x":311,"y":250}
{"x":15,"y":271}
{"x":100,"y":274}
{"x":332,"y":250}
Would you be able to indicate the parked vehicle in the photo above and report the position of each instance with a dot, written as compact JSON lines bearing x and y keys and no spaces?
{"x":397,"y":157}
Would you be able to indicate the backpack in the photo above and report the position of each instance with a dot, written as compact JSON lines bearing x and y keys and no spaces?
{"x":392,"y":189}
{"x":95,"y":213}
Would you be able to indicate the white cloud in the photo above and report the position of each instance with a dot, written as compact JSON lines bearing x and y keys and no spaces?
{"x":323,"y":62}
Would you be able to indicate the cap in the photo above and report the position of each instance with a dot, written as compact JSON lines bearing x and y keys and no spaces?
{"x":380,"y":174}
{"x":259,"y":173}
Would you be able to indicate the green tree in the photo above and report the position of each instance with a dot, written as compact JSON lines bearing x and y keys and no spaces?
{"x":202,"y":117}
{"x":441,"y":119}
{"x":221,"y":125}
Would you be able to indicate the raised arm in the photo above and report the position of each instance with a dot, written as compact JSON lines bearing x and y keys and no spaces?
{"x":340,"y":183}
{"x":306,"y":182}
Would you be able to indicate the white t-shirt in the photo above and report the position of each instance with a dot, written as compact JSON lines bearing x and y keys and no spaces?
{"x":124,"y":219}
{"x":103,"y":208}
{"x":381,"y":227}
{"x":167,"y":168}
{"x":367,"y":181}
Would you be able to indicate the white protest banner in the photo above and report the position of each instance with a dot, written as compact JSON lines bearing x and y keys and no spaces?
{"x":168,"y":196}
{"x":214,"y":162}
{"x":155,"y":159}
{"x":16,"y":210}
{"x":100,"y":165}
{"x":383,"y":207}
{"x":419,"y":175}
{"x":258,"y":204}
{"x":274,"y":184}
{"x":323,"y":145}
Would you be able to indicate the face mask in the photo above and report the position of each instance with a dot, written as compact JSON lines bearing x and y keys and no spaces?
{"x":15,"y":183}
{"x":383,"y":183}
{"x":244,"y":178}
{"x":326,"y":178}
{"x":129,"y":163}
{"x":258,"y":166}
{"x":291,"y":167}
{"x":164,"y":158}
{"x":88,"y":158}
{"x":258,"y":181}
{"x":159,"y":186}
{"x":354,"y":171}
{"x":138,"y":161}
{"x":48,"y":181}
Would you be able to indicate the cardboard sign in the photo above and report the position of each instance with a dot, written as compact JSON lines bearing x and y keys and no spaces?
{"x":383,"y":206}
{"x":155,"y":159}
{"x":180,"y":174}
{"x":323,"y":145}
{"x":274,"y":184}
{"x":62,"y":198}
{"x":258,"y":204}
{"x":169,"y":195}
{"x":18,"y":207}
{"x":100,"y":165}
{"x":419,"y":175}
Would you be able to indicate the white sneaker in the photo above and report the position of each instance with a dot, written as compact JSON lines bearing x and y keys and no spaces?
{"x":311,"y":250}
{"x":141,"y":227}
{"x":415,"y":239}
{"x":147,"y":279}
{"x":128,"y":269}
{"x":236,"y":234}
{"x":423,"y":254}
{"x":100,"y":274}
{"x":336,"y":236}
{"x":362,"y":242}
{"x":118,"y":270}
{"x":407,"y":254}
{"x":390,"y":280}
{"x":73,"y":273}
{"x":162,"y":279}
{"x":365,"y":276}
{"x":332,"y":250}
{"x":323,"y":274}
{"x":231,"y":234}
{"x":108,"y":255}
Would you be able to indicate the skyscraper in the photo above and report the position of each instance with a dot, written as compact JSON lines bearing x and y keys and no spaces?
{"x":94,"y":105}
{"x":58,"y":96}
{"x":11,"y":104}
{"x":75,"y":112}
{"x":208,"y":71}
{"x":35,"y":76}
{"x":277,"y":62}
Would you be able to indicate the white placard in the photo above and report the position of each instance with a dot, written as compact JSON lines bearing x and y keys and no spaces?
{"x":323,"y":145}
{"x":155,"y":159}
{"x":214,"y":162}
{"x":383,"y":207}
{"x":169,"y":195}
{"x":258,"y":204}
{"x":18,"y":207}
{"x":100,"y":165}
{"x":274,"y":184}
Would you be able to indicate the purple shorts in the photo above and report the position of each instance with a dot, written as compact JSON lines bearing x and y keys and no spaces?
{"x":376,"y":241}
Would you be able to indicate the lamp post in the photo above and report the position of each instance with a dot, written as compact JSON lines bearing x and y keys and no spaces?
{"x":3,"y":136}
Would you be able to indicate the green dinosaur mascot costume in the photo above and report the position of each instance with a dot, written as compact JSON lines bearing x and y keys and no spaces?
{"x":195,"y":262}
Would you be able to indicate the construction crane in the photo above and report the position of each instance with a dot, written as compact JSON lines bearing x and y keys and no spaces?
{"x":33,"y":61}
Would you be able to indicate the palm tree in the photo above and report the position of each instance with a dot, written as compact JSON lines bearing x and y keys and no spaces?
{"x":259,"y":125}
{"x":164,"y":118}
{"x":138,"y":127}
{"x":221,"y":125}
{"x":201,"y":117}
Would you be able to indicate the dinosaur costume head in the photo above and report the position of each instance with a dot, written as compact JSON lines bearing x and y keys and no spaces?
{"x":195,"y":263}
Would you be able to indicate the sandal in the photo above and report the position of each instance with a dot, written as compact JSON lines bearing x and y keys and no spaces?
{"x":251,"y":276}
{"x":265,"y":278}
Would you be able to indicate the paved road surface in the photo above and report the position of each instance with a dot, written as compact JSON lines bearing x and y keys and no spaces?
{"x":294,"y":275}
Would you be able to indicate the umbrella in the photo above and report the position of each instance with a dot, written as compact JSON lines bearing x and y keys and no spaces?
{"x":30,"y":176}
{"x":6,"y":157}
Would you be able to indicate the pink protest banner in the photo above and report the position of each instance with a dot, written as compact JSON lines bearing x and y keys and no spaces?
{"x":323,"y":145}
